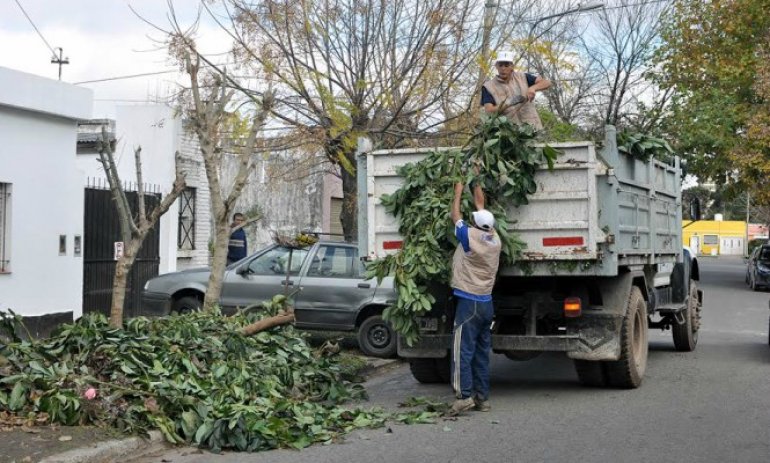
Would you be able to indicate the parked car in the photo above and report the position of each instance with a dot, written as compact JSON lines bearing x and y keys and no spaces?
{"x":333,"y":292}
{"x":758,"y":268}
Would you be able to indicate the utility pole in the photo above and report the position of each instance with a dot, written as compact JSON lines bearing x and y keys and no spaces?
{"x":746,"y":243}
{"x":59,"y":60}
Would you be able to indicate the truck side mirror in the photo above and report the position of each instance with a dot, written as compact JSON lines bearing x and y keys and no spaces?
{"x":695,"y":209}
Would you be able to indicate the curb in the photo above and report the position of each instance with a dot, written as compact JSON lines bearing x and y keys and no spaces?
{"x":111,"y":450}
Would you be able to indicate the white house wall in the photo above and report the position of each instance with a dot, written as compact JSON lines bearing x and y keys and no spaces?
{"x":156,"y":130}
{"x":38,"y":130}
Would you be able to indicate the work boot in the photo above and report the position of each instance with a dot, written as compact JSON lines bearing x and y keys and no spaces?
{"x":481,"y":405}
{"x":461,"y":405}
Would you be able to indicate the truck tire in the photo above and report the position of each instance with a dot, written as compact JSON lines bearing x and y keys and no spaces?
{"x":686,"y":334}
{"x":591,"y":373}
{"x":376,"y":338}
{"x":628,"y":371}
{"x":430,"y":370}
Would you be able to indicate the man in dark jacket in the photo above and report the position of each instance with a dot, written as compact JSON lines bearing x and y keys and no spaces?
{"x":237,"y":248}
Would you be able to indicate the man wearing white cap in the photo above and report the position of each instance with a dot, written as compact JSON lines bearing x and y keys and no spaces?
{"x":474,"y":268}
{"x":514,"y":91}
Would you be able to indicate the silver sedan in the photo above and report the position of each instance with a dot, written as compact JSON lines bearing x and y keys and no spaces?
{"x":333,"y":294}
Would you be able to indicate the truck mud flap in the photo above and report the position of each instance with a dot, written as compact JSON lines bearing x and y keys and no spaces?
{"x":599,"y":337}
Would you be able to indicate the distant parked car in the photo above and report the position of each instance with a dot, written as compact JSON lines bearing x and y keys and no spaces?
{"x":334,"y":294}
{"x":758,"y":268}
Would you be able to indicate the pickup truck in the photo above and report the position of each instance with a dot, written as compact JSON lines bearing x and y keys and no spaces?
{"x":603,"y":263}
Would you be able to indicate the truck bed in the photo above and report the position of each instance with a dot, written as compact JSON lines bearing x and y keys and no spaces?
{"x":590,"y":215}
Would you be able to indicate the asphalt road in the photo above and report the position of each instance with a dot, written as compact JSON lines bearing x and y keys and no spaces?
{"x":711,"y":405}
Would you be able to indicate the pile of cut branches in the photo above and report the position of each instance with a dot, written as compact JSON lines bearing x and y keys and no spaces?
{"x":197,"y":378}
{"x":499,"y":157}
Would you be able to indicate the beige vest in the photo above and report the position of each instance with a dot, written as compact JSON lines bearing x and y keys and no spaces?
{"x":475,"y":271}
{"x":517,"y":85}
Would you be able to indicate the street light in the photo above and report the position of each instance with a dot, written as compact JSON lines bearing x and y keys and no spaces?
{"x":581,"y":8}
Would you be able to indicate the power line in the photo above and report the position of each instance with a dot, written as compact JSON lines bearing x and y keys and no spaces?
{"x":36,"y":29}
{"x":129,"y":76}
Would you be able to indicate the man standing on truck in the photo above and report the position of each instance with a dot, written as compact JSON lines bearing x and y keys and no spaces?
{"x":474,"y":268}
{"x":514,"y":91}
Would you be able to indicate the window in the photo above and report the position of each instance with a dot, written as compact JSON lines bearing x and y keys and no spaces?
{"x":274,"y":261}
{"x":764,"y":253}
{"x":336,"y":261}
{"x":186,"y":229}
{"x":711,"y":240}
{"x":5,"y":227}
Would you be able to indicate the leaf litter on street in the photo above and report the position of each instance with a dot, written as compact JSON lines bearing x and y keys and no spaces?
{"x":194,"y":377}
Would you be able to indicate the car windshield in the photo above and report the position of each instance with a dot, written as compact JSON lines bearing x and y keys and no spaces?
{"x":764,"y":254}
{"x":275,"y":261}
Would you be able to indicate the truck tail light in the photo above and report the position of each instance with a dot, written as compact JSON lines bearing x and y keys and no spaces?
{"x":572,"y":307}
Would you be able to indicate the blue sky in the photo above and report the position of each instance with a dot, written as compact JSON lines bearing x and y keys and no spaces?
{"x":102,"y":39}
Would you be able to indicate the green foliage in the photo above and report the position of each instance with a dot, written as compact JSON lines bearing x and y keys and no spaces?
{"x":506,"y":163}
{"x":558,"y":130}
{"x":193,"y":377}
{"x":644,"y":147}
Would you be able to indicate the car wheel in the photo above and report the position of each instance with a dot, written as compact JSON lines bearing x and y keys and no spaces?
{"x":187,"y":304}
{"x":376,"y":337}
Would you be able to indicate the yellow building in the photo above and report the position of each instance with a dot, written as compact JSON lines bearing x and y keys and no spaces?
{"x":714,"y":237}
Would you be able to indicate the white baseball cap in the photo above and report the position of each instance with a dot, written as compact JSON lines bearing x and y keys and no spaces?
{"x":504,"y":57}
{"x":484,"y":219}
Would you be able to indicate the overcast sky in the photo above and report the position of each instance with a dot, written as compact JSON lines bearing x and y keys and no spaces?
{"x":102,"y":39}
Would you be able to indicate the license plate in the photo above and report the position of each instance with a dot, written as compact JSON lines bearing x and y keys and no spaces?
{"x":428,"y":324}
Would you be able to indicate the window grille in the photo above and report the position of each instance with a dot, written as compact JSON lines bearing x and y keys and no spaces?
{"x":186,"y":229}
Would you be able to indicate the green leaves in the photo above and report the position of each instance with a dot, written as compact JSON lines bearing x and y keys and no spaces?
{"x":499,"y":157}
{"x":193,"y":377}
{"x":644,"y":147}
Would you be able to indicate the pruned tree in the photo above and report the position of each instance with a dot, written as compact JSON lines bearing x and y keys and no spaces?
{"x":627,"y":33}
{"x":211,"y":94}
{"x":134,"y":224}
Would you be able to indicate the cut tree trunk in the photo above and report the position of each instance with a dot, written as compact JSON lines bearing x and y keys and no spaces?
{"x":266,"y":323}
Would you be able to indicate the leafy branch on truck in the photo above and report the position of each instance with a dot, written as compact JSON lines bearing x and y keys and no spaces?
{"x":502,"y":154}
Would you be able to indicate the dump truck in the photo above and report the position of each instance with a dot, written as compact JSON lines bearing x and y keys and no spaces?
{"x":603,"y":263}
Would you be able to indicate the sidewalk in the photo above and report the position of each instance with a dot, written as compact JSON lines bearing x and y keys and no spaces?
{"x":85,"y":444}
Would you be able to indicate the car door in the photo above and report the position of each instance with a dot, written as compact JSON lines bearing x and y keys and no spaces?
{"x":333,"y":288}
{"x":261,"y":277}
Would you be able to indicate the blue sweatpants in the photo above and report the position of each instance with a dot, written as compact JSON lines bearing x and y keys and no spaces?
{"x":472,"y":342}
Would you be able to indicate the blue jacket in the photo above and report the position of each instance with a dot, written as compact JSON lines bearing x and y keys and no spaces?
{"x":237,"y":249}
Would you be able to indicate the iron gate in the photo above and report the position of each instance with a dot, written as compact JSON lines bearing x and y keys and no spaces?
{"x":101,"y":230}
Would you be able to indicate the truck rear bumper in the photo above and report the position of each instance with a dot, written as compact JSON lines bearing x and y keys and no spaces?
{"x":590,"y":338}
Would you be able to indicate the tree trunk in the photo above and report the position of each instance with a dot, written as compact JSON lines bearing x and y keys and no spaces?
{"x":349,"y":214}
{"x":119,"y":282}
{"x":218,"y":264}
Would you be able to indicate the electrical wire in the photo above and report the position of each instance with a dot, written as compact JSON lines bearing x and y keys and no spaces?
{"x":36,"y":29}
